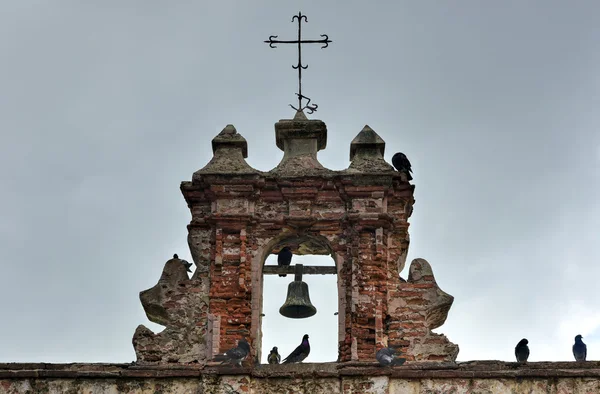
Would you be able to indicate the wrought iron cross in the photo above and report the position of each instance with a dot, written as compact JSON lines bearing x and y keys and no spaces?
{"x":311,"y":108}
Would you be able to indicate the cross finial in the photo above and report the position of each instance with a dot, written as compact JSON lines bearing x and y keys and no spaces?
{"x":325,"y":40}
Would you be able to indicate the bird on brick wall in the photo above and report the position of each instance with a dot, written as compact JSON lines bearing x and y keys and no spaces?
{"x":579,"y":349}
{"x":186,"y":264}
{"x":274,"y":357}
{"x":236,"y":355}
{"x":522,"y":350}
{"x":284,"y":258}
{"x":387,"y":356}
{"x":300,"y":353}
{"x":401,"y":163}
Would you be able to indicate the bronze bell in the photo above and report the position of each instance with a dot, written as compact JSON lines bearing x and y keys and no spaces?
{"x":297,"y":304}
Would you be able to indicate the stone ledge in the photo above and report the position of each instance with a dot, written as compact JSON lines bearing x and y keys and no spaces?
{"x":464,"y":370}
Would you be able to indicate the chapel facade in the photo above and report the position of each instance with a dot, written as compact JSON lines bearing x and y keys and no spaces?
{"x":241,"y":215}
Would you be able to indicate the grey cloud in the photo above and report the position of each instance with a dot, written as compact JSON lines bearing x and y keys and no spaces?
{"x":105,"y":108}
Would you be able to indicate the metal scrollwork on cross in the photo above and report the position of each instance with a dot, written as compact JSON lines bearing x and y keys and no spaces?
{"x":325,"y":40}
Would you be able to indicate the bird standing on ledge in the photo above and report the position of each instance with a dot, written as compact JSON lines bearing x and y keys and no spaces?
{"x":579,"y":349}
{"x":300,"y":353}
{"x":522,"y":350}
{"x":186,"y":264}
{"x":284,"y":258}
{"x":274,"y":357}
{"x":236,"y":355}
{"x":401,"y":163}
{"x":387,"y":356}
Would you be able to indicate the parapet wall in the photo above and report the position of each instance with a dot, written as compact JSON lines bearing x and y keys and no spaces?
{"x":330,"y":378}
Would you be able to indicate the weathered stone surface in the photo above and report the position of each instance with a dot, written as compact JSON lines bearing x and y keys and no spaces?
{"x":416,"y":307}
{"x":300,"y":128}
{"x":328,"y":378}
{"x":229,"y":149}
{"x":300,"y":139}
{"x":366,"y":154}
{"x":181,"y":305}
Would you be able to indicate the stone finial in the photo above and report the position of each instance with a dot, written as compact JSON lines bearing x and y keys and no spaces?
{"x":300,"y":139}
{"x":229,"y":137}
{"x":366,"y":152}
{"x":367,"y":138}
{"x":300,"y":128}
{"x":229,"y":151}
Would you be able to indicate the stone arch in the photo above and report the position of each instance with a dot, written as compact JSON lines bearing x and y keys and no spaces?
{"x":313,"y":243}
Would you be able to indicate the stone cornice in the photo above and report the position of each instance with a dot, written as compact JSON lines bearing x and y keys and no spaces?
{"x":462,"y":370}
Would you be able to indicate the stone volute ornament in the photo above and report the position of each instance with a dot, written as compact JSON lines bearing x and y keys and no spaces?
{"x":240,"y":215}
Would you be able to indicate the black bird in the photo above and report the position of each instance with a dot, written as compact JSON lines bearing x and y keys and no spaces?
{"x":401,"y":163}
{"x":284,"y":258}
{"x":184,"y":262}
{"x":522,"y":350}
{"x":300,"y":353}
{"x":579,"y":349}
{"x":235,"y":355}
{"x":387,"y":356}
{"x":274,"y":357}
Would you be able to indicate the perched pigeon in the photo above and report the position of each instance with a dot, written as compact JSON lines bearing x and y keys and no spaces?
{"x":235,"y":355}
{"x":284,"y":258}
{"x":401,"y":163}
{"x":274,"y":357}
{"x":522,"y":350}
{"x":300,"y":353}
{"x":186,"y":264}
{"x":386,"y":357}
{"x":579,"y":349}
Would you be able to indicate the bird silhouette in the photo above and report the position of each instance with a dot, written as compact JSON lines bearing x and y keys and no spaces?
{"x":186,"y":264}
{"x":300,"y":353}
{"x":274,"y":357}
{"x":401,"y":163}
{"x":284,"y":258}
{"x":235,"y":355}
{"x":522,"y":350}
{"x":579,"y":349}
{"x":387,"y":356}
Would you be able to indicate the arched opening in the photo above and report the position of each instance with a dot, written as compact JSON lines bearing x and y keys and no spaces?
{"x":323,"y":328}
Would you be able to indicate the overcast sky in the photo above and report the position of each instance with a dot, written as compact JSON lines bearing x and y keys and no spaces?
{"x":106,"y":107}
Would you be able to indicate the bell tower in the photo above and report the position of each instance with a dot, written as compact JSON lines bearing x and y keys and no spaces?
{"x":241,"y":215}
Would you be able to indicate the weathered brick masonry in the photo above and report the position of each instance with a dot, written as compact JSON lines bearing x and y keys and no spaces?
{"x":241,"y":215}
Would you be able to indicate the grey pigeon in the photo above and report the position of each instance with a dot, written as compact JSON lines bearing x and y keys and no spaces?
{"x":522,"y":350}
{"x":284,"y":258}
{"x":387,"y":356}
{"x":235,"y":355}
{"x":579,"y":349}
{"x":300,"y":353}
{"x":401,"y":163}
{"x":184,"y":262}
{"x":274,"y":357}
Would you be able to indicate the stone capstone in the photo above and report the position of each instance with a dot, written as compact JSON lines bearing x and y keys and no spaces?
{"x":229,"y":152}
{"x":300,"y":139}
{"x":366,"y":153}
